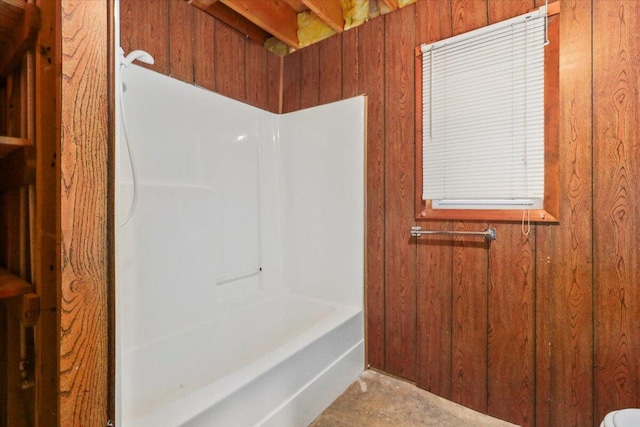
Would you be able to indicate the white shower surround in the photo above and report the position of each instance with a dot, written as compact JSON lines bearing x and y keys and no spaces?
{"x":226,"y":189}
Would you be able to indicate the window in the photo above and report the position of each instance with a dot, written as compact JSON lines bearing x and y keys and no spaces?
{"x":488,"y":130}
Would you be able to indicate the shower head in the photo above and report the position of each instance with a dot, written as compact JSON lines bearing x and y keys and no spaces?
{"x":139,"y":55}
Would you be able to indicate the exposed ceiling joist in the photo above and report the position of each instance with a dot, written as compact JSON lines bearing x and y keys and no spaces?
{"x":330,"y":11}
{"x":232,"y":19}
{"x":391,"y":4}
{"x":297,"y":5}
{"x":275,"y":17}
{"x":201,"y":4}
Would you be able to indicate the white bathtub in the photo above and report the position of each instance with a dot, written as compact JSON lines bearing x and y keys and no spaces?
{"x":239,"y":258}
{"x":277,"y":361}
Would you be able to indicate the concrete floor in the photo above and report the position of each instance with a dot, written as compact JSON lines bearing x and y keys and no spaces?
{"x":376,"y":400}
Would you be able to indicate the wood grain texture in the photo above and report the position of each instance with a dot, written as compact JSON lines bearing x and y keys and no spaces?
{"x":616,"y":236}
{"x":181,"y":40}
{"x":565,"y":389}
{"x":84,"y":237}
{"x":230,"y":62}
{"x":547,"y":238}
{"x":468,"y":15}
{"x":434,"y":311}
{"x":470,"y":262}
{"x":511,"y":300}
{"x":204,"y":37}
{"x":570,"y":250}
{"x":350,"y":69}
{"x":400,"y":253}
{"x":371,"y":82}
{"x":256,"y":77}
{"x":469,"y":317}
{"x":47,"y":267}
{"x":310,"y":76}
{"x":145,"y":25}
{"x":501,"y":10}
{"x":274,"y":83}
{"x":330,"y":67}
{"x":291,"y":82}
{"x":433,"y":21}
{"x":434,"y":255}
{"x":511,"y":326}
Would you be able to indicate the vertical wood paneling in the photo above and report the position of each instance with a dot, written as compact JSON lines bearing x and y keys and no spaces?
{"x":256,"y":79}
{"x":511,"y":325}
{"x":145,"y":25}
{"x":468,"y":15}
{"x":181,"y":40}
{"x":400,"y":254}
{"x":291,"y":83}
{"x":522,"y":298}
{"x":568,"y":246}
{"x":511,"y":299}
{"x":434,"y":256}
{"x":84,"y":245}
{"x":310,"y":76}
{"x":469,"y":317}
{"x":350,"y":69}
{"x":371,"y":82}
{"x":203,"y":50}
{"x":500,"y":10}
{"x":546,"y":238}
{"x":330,"y":68}
{"x":230,"y":62}
{"x":470,"y":262}
{"x":433,"y":21}
{"x":617,"y":205}
{"x":274,"y":83}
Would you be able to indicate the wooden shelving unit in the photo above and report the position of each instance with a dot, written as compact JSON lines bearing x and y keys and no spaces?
{"x":9,"y":144}
{"x":13,"y":286}
{"x":19,"y":25}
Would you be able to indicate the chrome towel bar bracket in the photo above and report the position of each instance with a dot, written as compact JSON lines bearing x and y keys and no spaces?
{"x":488,"y":234}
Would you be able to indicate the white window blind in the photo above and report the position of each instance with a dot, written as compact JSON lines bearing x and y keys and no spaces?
{"x":483,"y":116}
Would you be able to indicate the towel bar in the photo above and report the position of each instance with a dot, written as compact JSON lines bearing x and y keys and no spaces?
{"x":488,"y":234}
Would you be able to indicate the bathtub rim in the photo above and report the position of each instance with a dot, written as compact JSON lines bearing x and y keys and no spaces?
{"x":181,"y":409}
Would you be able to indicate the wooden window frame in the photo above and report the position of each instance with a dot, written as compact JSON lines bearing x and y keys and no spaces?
{"x":551,"y":203}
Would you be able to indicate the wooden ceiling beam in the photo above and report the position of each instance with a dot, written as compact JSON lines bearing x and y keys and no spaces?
{"x":201,"y":4}
{"x":276,"y":17}
{"x":23,"y":39}
{"x":330,"y":11}
{"x":297,"y":5}
{"x":232,"y":19}
{"x":391,"y":4}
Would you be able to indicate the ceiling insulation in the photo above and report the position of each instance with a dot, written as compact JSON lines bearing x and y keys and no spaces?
{"x":296,"y":23}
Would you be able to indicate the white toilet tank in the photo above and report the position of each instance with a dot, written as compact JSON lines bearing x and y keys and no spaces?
{"x":629,"y":417}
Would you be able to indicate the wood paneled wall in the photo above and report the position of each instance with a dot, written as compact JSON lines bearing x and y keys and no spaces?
{"x":539,"y":329}
{"x":194,"y":47}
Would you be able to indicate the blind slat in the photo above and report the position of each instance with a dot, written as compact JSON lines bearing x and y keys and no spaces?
{"x":483,"y":113}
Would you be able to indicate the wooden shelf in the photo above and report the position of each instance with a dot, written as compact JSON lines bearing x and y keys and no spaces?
{"x":13,"y":286}
{"x":19,"y":26}
{"x":9,"y":144}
